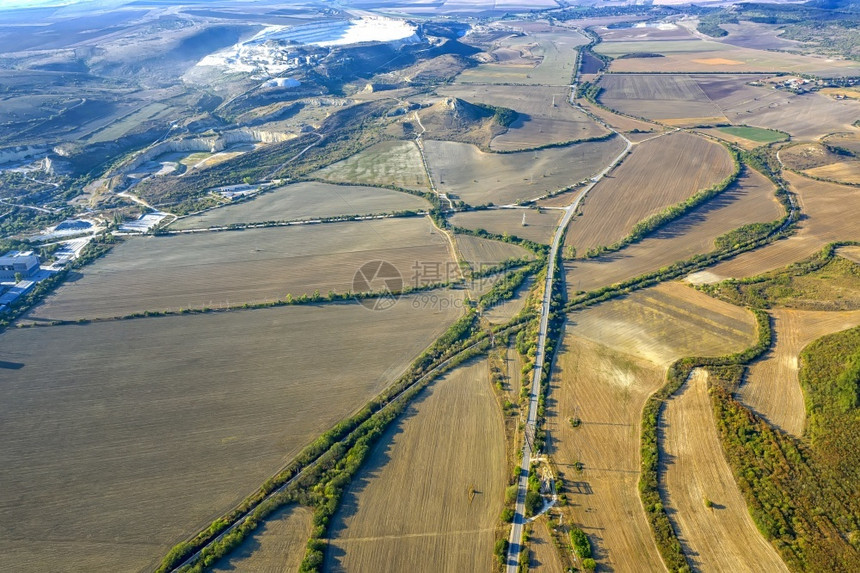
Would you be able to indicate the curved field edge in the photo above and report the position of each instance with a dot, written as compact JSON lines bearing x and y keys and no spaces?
{"x":698,"y":486}
{"x":333,"y":437}
{"x":666,"y":537}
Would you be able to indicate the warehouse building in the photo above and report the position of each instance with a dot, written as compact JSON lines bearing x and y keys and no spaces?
{"x":14,"y":262}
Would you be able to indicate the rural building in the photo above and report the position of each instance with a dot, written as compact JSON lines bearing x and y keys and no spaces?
{"x":15,"y":262}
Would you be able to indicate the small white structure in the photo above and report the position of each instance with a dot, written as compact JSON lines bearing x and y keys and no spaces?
{"x":14,"y":262}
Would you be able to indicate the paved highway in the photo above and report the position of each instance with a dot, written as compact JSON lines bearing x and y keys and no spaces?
{"x":519,"y":516}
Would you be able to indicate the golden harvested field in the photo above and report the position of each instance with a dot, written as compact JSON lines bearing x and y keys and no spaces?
{"x":848,"y":142}
{"x":607,"y":390}
{"x":545,"y":116}
{"x":613,"y":357}
{"x":551,"y":52}
{"x":841,"y":171}
{"x":750,"y":200}
{"x":772,"y":387}
{"x":620,"y":122}
{"x":230,"y":268}
{"x":825,"y":207}
{"x":657,"y":174}
{"x":121,"y":438}
{"x":505,"y":311}
{"x":850,"y":253}
{"x":539,"y":226}
{"x":385,"y":163}
{"x":278,"y":546}
{"x":409,"y":508}
{"x":483,"y":253}
{"x":665,"y":322}
{"x":544,"y":555}
{"x":479,"y":178}
{"x":306,"y":200}
{"x":722,"y":537}
{"x":711,"y":56}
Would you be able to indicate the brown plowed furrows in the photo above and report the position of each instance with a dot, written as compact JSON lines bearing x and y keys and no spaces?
{"x":722,"y":537}
{"x":409,"y":509}
{"x":278,"y":546}
{"x":850,"y":253}
{"x":772,"y":387}
{"x":751,"y":200}
{"x":657,"y":174}
{"x":827,"y":216}
{"x":607,"y":390}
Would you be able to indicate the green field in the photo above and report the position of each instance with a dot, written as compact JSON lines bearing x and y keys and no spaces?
{"x":755,"y":133}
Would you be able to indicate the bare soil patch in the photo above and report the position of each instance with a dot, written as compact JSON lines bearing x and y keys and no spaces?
{"x":539,"y":227}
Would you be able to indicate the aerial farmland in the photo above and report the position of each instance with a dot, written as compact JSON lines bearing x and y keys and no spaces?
{"x":453,"y":286}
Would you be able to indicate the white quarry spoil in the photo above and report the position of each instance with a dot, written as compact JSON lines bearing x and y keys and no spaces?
{"x":269,"y":51}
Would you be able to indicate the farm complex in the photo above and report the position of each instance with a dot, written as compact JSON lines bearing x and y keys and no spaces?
{"x":456,"y":286}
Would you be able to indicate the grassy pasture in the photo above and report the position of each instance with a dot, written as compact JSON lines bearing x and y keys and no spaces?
{"x":657,"y":174}
{"x":824,"y":206}
{"x":278,"y":547}
{"x":478,"y":178}
{"x":123,"y":437}
{"x":755,"y":134}
{"x":540,"y":122}
{"x":772,"y":387}
{"x":385,"y":163}
{"x":722,"y":537}
{"x":539,"y":226}
{"x":305,"y":200}
{"x":230,"y":268}
{"x":429,"y":497}
{"x":750,"y":200}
